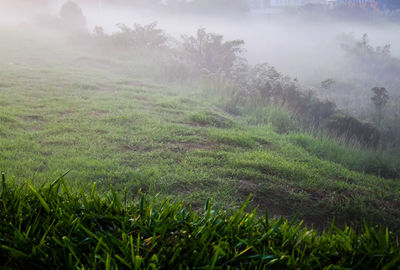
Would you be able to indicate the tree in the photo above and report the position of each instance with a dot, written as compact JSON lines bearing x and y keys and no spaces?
{"x":211,"y":54}
{"x":380,"y":100}
{"x":327,"y":84}
{"x":72,"y":16}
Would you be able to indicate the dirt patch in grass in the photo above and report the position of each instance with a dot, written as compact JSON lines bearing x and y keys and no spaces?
{"x":136,"y":148}
{"x":182,"y":188}
{"x":210,"y":119}
{"x":144,"y":99}
{"x":191,"y":146}
{"x":7,"y":119}
{"x":318,"y":207}
{"x":66,"y":114}
{"x":57,"y":143}
{"x":137,"y":83}
{"x":33,"y":118}
{"x":91,"y":62}
{"x":170,"y":111}
{"x":3,"y":134}
{"x":288,"y":201}
{"x":187,"y":101}
{"x":247,"y":187}
{"x":4,"y":85}
{"x":98,"y":113}
{"x":86,"y":86}
{"x":47,"y":153}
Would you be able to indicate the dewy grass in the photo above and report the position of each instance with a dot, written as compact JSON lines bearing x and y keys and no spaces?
{"x":50,"y":227}
{"x":353,"y":157}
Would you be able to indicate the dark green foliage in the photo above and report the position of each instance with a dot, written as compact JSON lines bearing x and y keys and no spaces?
{"x":210,"y":54}
{"x":72,"y":16}
{"x":263,"y":86}
{"x":380,"y":99}
{"x":353,"y":157}
{"x":52,"y":228}
{"x":351,"y":128}
{"x":281,"y":120}
{"x":211,"y":119}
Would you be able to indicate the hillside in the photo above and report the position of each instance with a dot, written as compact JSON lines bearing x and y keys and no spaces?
{"x":114,"y":120}
{"x":107,"y":123}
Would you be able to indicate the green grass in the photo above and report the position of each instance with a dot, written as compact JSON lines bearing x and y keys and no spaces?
{"x":63,"y":107}
{"x":53,"y":227}
{"x":353,"y":157}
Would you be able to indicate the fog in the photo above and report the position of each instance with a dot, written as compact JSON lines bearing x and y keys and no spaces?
{"x":300,"y":47}
{"x":306,"y":49}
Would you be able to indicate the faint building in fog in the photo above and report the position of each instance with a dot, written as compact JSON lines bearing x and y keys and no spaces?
{"x":262,"y":4}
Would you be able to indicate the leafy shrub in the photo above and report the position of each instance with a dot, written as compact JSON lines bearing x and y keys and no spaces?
{"x":209,"y":54}
{"x":72,"y":16}
{"x":264,"y":86}
{"x":140,"y":36}
{"x":281,"y":120}
{"x":380,"y":99}
{"x":351,"y":128}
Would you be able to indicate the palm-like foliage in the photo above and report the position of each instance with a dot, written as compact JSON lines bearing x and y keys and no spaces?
{"x":51,"y":227}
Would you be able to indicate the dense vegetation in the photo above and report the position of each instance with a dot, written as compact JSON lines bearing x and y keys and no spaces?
{"x":51,"y":227}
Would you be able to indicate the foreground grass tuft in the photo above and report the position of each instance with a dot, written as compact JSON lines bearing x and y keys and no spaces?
{"x":50,"y":227}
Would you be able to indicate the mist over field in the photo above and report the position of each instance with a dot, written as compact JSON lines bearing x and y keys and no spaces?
{"x":308,"y":48}
{"x":299,"y":46}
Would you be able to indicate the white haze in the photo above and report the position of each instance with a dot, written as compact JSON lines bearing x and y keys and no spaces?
{"x":302,"y":48}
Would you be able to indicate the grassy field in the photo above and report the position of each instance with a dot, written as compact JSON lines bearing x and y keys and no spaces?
{"x":113,"y":120}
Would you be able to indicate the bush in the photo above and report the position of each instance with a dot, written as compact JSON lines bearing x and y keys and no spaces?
{"x":140,"y":36}
{"x":264,"y":86}
{"x":281,"y":120}
{"x":351,"y":128}
{"x":209,"y":54}
{"x":72,"y":16}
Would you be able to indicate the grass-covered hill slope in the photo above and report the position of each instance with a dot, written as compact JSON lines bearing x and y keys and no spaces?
{"x":52,"y":228}
{"x":115,"y":120}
